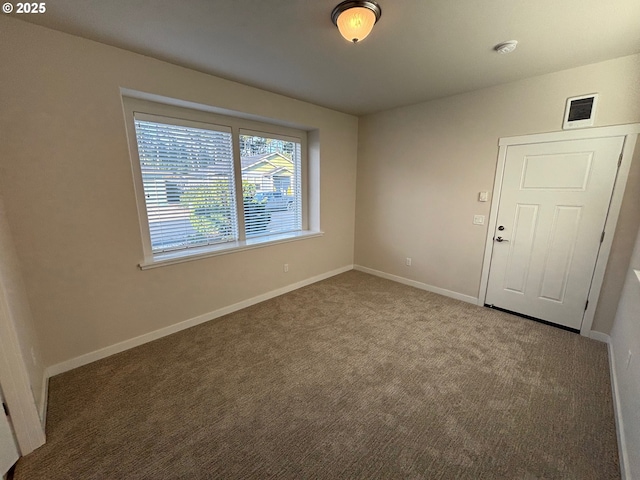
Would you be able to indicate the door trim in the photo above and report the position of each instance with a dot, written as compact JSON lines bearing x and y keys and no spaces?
{"x":28,"y":430}
{"x":630,"y":132}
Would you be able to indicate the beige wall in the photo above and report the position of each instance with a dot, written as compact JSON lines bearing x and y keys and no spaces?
{"x":420,"y":169}
{"x":65,"y":176}
{"x":622,"y":248}
{"x":625,"y":338}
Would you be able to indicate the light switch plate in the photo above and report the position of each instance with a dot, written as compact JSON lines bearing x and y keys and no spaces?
{"x":478,"y":219}
{"x":483,"y":196}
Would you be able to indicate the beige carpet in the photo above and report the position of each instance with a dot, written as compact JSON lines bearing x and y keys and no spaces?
{"x":352,"y":377}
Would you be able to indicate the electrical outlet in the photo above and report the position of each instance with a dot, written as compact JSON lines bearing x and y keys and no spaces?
{"x":286,"y":267}
{"x":483,"y":196}
{"x":408,"y":262}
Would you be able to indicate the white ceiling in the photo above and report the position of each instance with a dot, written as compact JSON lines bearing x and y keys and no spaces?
{"x":418,"y":51}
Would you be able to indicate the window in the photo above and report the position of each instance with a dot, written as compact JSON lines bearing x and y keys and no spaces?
{"x":209,"y":184}
{"x":188,"y":182}
{"x":271,"y":185}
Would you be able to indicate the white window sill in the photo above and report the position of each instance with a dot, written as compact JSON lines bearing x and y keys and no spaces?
{"x":171,"y":258}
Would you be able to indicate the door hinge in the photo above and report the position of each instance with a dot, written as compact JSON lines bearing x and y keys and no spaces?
{"x":602,"y":237}
{"x":5,"y":408}
{"x":586,"y":305}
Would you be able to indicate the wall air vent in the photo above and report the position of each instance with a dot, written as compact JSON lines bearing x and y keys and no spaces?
{"x":580,"y":111}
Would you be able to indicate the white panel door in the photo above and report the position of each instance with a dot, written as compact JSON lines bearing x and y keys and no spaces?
{"x":553,"y":207}
{"x":8,"y":448}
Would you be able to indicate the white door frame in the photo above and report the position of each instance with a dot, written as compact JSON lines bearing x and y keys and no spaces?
{"x":16,"y":388}
{"x":630,"y":132}
{"x":8,"y":445}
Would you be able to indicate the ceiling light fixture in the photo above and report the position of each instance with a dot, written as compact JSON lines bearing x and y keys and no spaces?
{"x":355,"y":18}
{"x":506,"y":47}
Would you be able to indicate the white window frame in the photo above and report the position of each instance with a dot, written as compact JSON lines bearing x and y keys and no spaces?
{"x":140,"y":108}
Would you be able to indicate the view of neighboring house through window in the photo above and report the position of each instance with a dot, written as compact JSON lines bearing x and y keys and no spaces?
{"x":271,"y":185}
{"x":192,"y":188}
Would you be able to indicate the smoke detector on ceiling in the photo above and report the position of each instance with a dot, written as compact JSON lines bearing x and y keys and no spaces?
{"x":506,"y":47}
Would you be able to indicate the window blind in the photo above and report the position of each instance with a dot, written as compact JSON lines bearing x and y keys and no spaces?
{"x":188,"y":181}
{"x":271,"y":185}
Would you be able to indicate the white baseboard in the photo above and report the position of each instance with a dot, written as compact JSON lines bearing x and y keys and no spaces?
{"x":599,"y":336}
{"x":617,"y":409}
{"x":416,"y":284}
{"x":163,"y":332}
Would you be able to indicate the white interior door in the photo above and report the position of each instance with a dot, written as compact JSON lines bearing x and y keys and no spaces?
{"x":553,"y":207}
{"x":8,"y":448}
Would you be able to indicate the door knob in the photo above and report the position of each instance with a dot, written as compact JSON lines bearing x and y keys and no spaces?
{"x":500,"y":239}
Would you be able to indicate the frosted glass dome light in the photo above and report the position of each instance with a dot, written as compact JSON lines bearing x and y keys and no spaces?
{"x":355,"y":19}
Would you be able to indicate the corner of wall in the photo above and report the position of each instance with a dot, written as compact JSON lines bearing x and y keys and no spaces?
{"x":617,"y":408}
